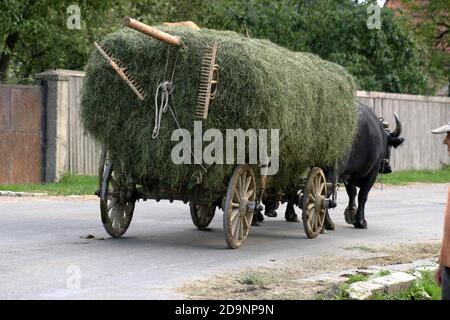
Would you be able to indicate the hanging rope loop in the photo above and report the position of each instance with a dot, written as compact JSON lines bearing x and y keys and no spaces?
{"x":163,"y":92}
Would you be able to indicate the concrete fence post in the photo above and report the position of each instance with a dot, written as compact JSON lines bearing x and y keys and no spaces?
{"x":56,"y":121}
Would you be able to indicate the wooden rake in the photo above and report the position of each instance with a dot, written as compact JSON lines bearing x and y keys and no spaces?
{"x":122,"y":71}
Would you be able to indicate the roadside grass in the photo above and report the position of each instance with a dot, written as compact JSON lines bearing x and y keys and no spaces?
{"x":416,"y":176}
{"x":71,"y":184}
{"x":254,"y":278}
{"x":341,"y":291}
{"x":423,"y":289}
{"x":356,"y":278}
{"x":383,"y":273}
{"x":68,"y":185}
{"x":362,"y":248}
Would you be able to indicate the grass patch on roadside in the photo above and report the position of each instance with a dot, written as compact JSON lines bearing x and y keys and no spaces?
{"x":254,"y":278}
{"x":422,"y":289}
{"x":71,"y":184}
{"x":356,"y":278}
{"x":68,"y":185}
{"x":342,"y":289}
{"x":362,"y":248}
{"x":416,"y":176}
{"x":383,"y":273}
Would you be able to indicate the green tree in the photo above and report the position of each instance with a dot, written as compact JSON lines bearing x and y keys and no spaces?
{"x":388,"y":59}
{"x":430,"y":22}
{"x":34,"y":35}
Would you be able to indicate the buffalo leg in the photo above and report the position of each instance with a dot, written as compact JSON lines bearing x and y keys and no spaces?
{"x":257,"y":218}
{"x":360,"y":221}
{"x":329,"y":224}
{"x":270,"y":207}
{"x":290,"y":214}
{"x":350,"y":211}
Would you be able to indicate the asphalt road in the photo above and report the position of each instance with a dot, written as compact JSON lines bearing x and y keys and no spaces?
{"x":43,"y":254}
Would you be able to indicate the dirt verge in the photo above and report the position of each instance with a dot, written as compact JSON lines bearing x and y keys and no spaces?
{"x":295,"y":278}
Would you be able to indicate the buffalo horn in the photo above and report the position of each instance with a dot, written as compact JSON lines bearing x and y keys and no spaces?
{"x":398,"y":127}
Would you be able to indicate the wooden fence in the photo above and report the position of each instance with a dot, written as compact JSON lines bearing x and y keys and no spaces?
{"x":78,"y":153}
{"x":83,"y":151}
{"x":419,"y":115}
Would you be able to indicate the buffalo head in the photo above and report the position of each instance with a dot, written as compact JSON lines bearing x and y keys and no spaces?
{"x":393,"y":140}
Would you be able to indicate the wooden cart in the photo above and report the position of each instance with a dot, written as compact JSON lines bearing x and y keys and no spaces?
{"x":240,"y":200}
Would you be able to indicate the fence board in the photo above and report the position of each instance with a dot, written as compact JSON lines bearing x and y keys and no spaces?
{"x":83,"y":150}
{"x":419,"y":115}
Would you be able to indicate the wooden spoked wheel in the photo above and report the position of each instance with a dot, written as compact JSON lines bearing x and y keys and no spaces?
{"x":239,"y":206}
{"x":313,"y":203}
{"x":202,"y":214}
{"x":116,"y":200}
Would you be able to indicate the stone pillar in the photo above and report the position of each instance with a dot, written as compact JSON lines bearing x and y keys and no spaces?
{"x":56,"y":117}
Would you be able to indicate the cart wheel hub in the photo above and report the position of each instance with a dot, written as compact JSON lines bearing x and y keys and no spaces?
{"x":243,"y":206}
{"x":251,"y":207}
{"x":319,"y":202}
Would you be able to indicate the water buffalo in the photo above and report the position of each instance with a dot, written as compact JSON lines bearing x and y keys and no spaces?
{"x":368,"y":156}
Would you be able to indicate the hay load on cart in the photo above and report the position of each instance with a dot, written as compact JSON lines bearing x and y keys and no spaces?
{"x":140,"y":87}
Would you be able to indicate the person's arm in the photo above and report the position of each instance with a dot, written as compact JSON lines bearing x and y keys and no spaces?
{"x":444,"y":258}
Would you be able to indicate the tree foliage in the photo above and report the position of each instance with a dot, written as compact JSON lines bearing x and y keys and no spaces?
{"x":34,"y":35}
{"x":388,"y":59}
{"x":430,"y":23}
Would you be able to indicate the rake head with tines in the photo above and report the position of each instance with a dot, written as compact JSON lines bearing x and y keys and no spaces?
{"x":122,"y":71}
{"x":209,"y":79}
